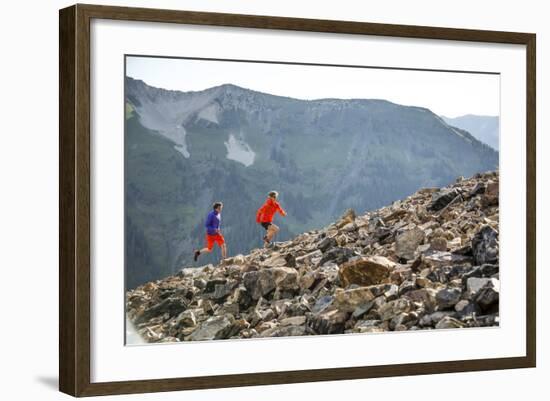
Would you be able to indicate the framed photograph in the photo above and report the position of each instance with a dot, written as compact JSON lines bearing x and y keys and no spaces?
{"x":250,"y":200}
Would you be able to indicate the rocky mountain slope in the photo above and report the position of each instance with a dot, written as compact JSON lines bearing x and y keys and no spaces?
{"x":185,"y":150}
{"x":429,"y":261}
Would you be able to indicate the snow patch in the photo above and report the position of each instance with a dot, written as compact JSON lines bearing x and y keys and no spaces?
{"x":177,"y":135}
{"x":169,"y":113}
{"x":209,"y":113}
{"x":238,"y":150}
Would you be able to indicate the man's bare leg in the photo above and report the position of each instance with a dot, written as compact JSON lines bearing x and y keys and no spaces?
{"x":224,"y":251}
{"x":201,"y":251}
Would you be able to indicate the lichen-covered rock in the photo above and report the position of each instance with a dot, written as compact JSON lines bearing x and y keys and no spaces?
{"x":284,"y":331}
{"x":214,"y":328}
{"x":407,"y":242}
{"x":490,"y":197}
{"x":328,"y":322}
{"x":366,"y":271}
{"x":391,"y":309}
{"x":439,"y":244}
{"x":485,"y":246}
{"x":261,"y":282}
{"x":349,"y":300}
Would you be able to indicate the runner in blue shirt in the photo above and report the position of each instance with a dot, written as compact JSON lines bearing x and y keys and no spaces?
{"x":213,"y":232}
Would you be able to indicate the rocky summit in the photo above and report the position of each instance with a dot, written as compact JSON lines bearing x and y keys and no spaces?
{"x":429,"y":261}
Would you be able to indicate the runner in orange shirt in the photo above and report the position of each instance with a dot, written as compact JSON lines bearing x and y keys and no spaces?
{"x":265,"y":214}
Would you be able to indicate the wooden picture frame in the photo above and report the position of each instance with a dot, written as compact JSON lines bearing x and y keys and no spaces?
{"x":75,"y":207}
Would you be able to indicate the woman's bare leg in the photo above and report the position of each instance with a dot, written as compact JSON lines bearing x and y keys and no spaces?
{"x":271,"y":231}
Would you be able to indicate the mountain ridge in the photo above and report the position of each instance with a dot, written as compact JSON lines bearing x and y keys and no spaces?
{"x":258,"y":92}
{"x":484,"y":128}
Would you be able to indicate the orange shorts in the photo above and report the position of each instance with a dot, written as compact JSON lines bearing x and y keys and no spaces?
{"x":214,"y":239}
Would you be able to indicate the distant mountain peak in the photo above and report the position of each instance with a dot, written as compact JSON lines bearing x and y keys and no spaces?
{"x":484,"y":128}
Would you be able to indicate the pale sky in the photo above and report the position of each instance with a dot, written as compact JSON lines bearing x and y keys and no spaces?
{"x":449,"y":94}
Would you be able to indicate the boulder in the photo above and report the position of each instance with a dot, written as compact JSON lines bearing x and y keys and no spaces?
{"x":214,"y":328}
{"x":274,"y":260}
{"x":364,"y":308}
{"x":391,"y":309}
{"x":461,"y":305}
{"x":348,"y":217}
{"x":261,"y":282}
{"x":326,"y":243}
{"x":488,"y":296}
{"x":329,"y":271}
{"x":368,"y":326}
{"x":350,"y":227}
{"x":349,"y":300}
{"x":172,"y":306}
{"x":219,"y":289}
{"x":286,"y":278}
{"x":478,"y":189}
{"x":440,"y":258}
{"x":284,"y":331}
{"x":407,"y":242}
{"x":307,"y":280}
{"x":401,"y":273}
{"x":403,"y":321}
{"x":485,"y":270}
{"x":442,"y":199}
{"x":379,"y":289}
{"x":322,"y":304}
{"x":293,"y":321}
{"x":328,"y":322}
{"x":465,"y":308}
{"x":186,"y":319}
{"x":235,"y":260}
{"x":337,"y":255}
{"x":449,"y":323}
{"x":228,"y":308}
{"x":490,"y":198}
{"x":474,"y":284}
{"x":393,"y":292}
{"x":434,"y":318}
{"x":447,"y":297}
{"x":309,"y":257}
{"x":366,"y":271}
{"x":439,"y":243}
{"x":485,"y":246}
{"x":404,"y":287}
{"x":424,"y":296}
